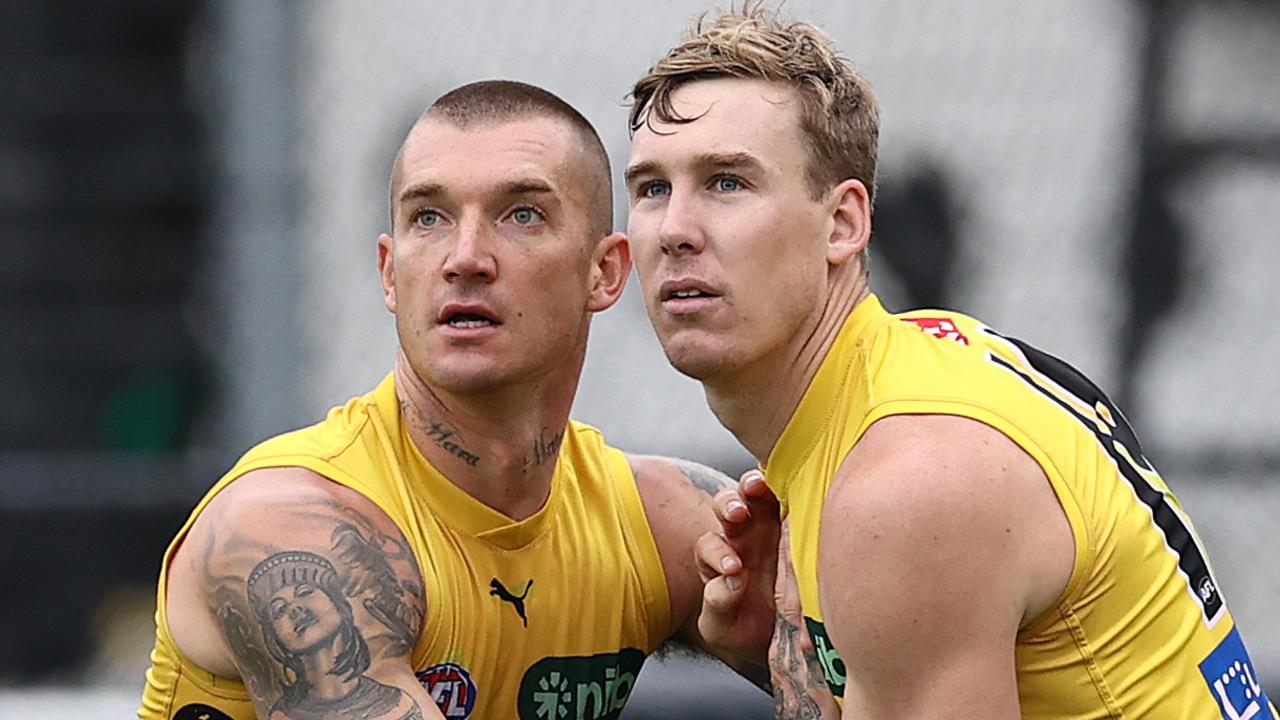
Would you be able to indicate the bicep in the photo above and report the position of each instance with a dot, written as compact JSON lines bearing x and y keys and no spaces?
{"x":922,"y":585}
{"x":317,"y":596}
{"x":677,"y":497}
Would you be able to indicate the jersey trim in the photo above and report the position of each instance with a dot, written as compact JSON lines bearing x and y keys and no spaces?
{"x":639,"y":537}
{"x":1180,"y":539}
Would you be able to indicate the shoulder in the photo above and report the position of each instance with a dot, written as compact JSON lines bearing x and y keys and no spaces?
{"x":289,"y":505}
{"x":677,"y":497}
{"x":661,"y":475}
{"x":280,"y":517}
{"x":934,"y":549}
{"x":280,"y":501}
{"x":916,"y":474}
{"x":940,"y":507}
{"x":951,"y":470}
{"x":281,"y":538}
{"x":283,"y":531}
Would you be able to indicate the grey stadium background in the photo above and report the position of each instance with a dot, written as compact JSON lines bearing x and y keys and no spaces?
{"x":190,"y":194}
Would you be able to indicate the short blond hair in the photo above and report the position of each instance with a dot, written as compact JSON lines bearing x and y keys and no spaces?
{"x":839,"y":116}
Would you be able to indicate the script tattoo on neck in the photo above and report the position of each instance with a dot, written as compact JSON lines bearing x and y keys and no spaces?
{"x":545,"y":449}
{"x":446,"y":438}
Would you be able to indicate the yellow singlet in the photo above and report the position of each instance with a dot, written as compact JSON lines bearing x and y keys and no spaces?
{"x":1141,"y":630}
{"x":591,"y":589}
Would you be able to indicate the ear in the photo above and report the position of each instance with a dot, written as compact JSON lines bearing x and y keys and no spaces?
{"x":850,"y":209}
{"x":387,"y":270}
{"x":610,"y":266}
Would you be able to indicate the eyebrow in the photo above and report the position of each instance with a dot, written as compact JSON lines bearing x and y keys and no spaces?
{"x":727,"y":160}
{"x":526,"y":186}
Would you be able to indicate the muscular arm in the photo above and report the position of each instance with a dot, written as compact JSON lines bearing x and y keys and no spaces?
{"x":677,"y":496}
{"x":313,"y":594}
{"x":940,"y":537}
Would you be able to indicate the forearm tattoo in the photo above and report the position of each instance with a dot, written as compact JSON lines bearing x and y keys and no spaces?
{"x":704,"y":478}
{"x":797,"y":675}
{"x":298,"y":622}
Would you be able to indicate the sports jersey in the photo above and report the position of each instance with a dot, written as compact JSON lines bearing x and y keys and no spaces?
{"x":1141,"y":629}
{"x":546,"y":617}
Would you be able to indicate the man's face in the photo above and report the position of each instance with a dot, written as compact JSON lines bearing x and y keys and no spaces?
{"x":729,"y":245}
{"x":303,"y":617}
{"x":489,"y":272}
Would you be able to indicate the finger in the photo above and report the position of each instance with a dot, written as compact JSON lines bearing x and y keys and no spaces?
{"x":755,"y":490}
{"x":721,"y":595}
{"x":714,"y":557}
{"x":730,"y":508}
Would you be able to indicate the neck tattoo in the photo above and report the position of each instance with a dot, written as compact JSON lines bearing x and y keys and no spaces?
{"x":446,"y":438}
{"x":544,"y":449}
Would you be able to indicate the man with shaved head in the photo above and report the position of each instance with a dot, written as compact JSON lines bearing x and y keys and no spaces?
{"x":450,"y":544}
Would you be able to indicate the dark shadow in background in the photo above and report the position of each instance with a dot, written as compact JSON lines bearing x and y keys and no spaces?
{"x":104,"y":197}
{"x":1156,"y":270}
{"x":916,"y":234}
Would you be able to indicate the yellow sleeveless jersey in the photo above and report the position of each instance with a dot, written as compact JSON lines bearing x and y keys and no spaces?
{"x":583,"y":596}
{"x":1141,"y":630}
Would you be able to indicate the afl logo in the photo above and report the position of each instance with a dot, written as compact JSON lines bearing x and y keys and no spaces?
{"x":1207,"y":590}
{"x":450,"y":685}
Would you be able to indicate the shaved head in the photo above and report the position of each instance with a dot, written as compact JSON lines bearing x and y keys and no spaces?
{"x":495,"y":102}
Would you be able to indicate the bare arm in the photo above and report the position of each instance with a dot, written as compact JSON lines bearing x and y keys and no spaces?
{"x":315,"y":595}
{"x":679,"y":498}
{"x":940,"y":537}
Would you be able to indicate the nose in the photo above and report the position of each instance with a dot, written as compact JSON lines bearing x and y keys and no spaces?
{"x":680,"y":232}
{"x":471,"y":257}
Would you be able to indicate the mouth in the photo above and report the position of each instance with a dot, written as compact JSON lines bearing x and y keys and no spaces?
{"x":686,"y":295}
{"x":301,"y":624}
{"x":467,"y":317}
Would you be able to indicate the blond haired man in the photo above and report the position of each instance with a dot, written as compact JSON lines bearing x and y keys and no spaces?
{"x":975,"y":530}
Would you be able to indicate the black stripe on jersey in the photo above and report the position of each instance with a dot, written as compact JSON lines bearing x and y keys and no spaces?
{"x":1178,"y":536}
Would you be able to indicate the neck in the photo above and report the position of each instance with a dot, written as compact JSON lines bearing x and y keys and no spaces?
{"x":500,"y":446}
{"x":325,"y":685}
{"x":755,"y":402}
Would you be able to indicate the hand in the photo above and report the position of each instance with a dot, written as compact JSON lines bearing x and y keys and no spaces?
{"x":799,"y":687}
{"x":738,"y":566}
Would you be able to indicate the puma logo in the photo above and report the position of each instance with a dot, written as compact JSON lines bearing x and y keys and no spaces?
{"x":517,"y":601}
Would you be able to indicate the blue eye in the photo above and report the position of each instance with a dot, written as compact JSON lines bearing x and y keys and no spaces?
{"x":655,"y":188}
{"x":526,"y":216}
{"x":426,"y":218}
{"x":727,"y":184}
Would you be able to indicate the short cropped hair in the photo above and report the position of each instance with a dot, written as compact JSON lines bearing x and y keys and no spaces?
{"x":839,"y":116}
{"x":490,"y":102}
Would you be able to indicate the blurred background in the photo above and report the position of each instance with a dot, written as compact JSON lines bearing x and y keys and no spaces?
{"x":190,"y":194}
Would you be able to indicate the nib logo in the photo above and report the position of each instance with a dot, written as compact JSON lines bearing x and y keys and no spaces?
{"x":553,"y":697}
{"x":594,"y":687}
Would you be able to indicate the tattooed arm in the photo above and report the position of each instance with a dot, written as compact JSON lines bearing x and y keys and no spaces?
{"x":308,"y":593}
{"x":799,"y":689}
{"x":680,"y":499}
